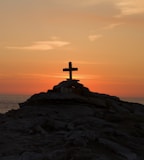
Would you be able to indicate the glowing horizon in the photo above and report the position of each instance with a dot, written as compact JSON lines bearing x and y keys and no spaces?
{"x":103,"y":38}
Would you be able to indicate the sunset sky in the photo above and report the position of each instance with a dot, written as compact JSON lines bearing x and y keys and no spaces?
{"x":103,"y":38}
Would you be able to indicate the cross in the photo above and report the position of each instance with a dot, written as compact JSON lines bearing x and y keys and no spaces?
{"x":70,"y":69}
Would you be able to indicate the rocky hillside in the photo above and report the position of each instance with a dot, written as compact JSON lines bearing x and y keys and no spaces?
{"x":72,"y":123}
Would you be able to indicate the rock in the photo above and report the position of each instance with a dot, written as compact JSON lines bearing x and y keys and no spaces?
{"x":81,"y":137}
{"x":57,"y":155}
{"x":83,"y":154}
{"x":117,"y":107}
{"x":117,"y":148}
{"x":10,"y":158}
{"x":31,"y":156}
{"x":71,"y":86}
{"x":71,"y":122}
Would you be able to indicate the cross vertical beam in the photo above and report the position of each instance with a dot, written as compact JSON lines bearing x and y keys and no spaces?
{"x":70,"y":69}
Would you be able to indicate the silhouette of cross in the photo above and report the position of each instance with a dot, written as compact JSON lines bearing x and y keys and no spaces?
{"x":70,"y":69}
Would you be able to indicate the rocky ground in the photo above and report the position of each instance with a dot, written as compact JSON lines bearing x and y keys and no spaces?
{"x":59,"y":126}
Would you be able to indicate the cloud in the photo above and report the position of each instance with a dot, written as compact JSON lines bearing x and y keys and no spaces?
{"x":88,"y":63}
{"x":58,"y":76}
{"x":125,"y":7}
{"x":91,"y":2}
{"x":130,"y":7}
{"x":112,"y":26}
{"x":42,"y":45}
{"x":40,"y":75}
{"x":94,"y":37}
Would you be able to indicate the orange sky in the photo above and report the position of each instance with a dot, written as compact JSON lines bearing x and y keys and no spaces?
{"x":103,"y":38}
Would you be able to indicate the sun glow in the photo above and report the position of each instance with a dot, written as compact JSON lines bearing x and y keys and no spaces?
{"x":104,"y":40}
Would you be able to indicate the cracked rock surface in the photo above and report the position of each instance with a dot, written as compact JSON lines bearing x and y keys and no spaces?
{"x":77,"y":125}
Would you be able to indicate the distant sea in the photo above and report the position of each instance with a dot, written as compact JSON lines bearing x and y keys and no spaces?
{"x":133,"y":99}
{"x":8,"y":102}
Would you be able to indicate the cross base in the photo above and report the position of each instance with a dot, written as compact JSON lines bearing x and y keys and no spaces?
{"x":72,"y":80}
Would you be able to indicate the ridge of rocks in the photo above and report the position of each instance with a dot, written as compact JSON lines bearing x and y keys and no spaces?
{"x":69,"y":91}
{"x":70,"y":122}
